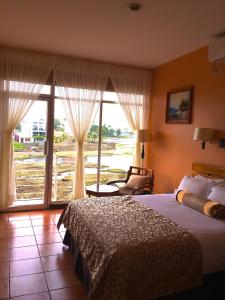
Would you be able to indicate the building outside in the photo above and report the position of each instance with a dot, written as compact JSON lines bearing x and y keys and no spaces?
{"x":30,"y":131}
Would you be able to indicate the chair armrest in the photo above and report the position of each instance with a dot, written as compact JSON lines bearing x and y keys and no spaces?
{"x":115,"y":181}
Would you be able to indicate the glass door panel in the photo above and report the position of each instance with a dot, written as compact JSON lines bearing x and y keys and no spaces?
{"x":117,"y":143}
{"x":29,"y":156}
{"x":64,"y":156}
{"x":64,"y":146}
{"x":91,"y":153}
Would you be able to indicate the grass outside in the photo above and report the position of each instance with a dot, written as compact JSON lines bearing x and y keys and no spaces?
{"x":30,"y":175}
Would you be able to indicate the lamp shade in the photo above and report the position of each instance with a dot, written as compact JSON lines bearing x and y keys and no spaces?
{"x":204,"y":134}
{"x":143,"y":135}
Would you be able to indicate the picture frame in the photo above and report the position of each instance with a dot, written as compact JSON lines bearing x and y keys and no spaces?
{"x":179,"y":106}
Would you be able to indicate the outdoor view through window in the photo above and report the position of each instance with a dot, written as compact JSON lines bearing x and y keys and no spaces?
{"x":116,"y":148}
{"x":117,"y":144}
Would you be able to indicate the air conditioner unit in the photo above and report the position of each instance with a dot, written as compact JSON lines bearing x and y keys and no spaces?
{"x":216,"y":50}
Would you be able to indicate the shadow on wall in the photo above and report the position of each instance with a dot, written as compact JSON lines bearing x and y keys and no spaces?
{"x":167,"y":181}
{"x":220,"y":134}
{"x":160,"y":138}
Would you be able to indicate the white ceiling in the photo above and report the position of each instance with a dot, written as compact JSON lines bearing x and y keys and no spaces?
{"x":107,"y":30}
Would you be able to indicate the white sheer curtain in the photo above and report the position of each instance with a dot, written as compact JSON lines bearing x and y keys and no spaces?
{"x":80,"y":85}
{"x":133,"y":88}
{"x":22,"y":76}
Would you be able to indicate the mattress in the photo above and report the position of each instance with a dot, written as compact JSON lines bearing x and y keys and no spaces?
{"x":209,"y":232}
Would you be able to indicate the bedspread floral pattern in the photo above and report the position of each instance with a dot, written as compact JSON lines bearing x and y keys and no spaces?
{"x":132,"y":252}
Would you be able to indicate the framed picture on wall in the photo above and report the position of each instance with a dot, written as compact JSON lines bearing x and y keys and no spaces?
{"x":179,"y":106}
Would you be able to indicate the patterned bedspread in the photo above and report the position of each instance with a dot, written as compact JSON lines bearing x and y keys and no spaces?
{"x":132,"y":252}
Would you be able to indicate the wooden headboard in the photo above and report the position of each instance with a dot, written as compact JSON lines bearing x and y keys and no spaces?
{"x":208,"y":170}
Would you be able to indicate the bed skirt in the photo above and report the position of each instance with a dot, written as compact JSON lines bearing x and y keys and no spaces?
{"x":213,"y":287}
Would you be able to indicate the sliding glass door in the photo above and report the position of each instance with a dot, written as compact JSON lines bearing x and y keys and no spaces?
{"x":30,"y":156}
{"x":45,"y":150}
{"x":117,"y":142}
{"x":108,"y":151}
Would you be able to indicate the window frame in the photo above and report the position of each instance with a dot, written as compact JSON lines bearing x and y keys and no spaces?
{"x":50,"y":99}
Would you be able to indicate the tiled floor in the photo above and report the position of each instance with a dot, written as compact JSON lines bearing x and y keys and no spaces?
{"x":34,"y":264}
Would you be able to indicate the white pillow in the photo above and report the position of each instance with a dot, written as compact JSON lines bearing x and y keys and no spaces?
{"x":218,"y":194}
{"x":214,"y":181}
{"x":195,"y":186}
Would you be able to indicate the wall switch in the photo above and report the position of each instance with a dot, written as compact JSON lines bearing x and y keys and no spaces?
{"x":222,"y":143}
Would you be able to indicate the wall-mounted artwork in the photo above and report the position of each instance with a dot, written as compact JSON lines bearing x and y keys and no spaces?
{"x":179,"y":106}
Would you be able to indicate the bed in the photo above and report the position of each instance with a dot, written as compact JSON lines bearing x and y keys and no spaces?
{"x":197,"y":276}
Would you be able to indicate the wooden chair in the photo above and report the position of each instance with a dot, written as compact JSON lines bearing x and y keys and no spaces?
{"x":129,"y":189}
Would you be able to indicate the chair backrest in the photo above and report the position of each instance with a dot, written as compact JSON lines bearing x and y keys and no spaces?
{"x":142,"y":172}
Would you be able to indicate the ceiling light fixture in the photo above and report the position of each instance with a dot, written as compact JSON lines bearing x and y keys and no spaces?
{"x":134,"y":6}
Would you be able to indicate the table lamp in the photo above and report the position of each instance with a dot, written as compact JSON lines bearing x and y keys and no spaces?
{"x":143,"y":136}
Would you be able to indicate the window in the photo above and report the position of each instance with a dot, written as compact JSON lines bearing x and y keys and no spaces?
{"x":117,"y":143}
{"x":107,"y":152}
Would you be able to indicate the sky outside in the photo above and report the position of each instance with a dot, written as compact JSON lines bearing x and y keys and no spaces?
{"x":112,"y":114}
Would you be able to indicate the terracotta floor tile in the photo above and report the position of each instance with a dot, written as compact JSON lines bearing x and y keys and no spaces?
{"x":45,"y":229}
{"x":56,"y":211}
{"x":19,"y":216}
{"x":4,"y":224}
{"x":4,"y":216}
{"x":57,"y":262}
{"x":25,"y":267}
{"x":23,"y":253}
{"x":4,"y":270}
{"x":42,"y":222}
{"x":62,"y":234}
{"x":27,"y":284}
{"x":20,"y":223}
{"x":22,"y":241}
{"x":39,"y":214}
{"x":4,"y":255}
{"x":56,"y":215}
{"x":38,"y":296}
{"x":3,"y":233}
{"x":61,"y":278}
{"x":52,"y":249}
{"x":71,"y":293}
{"x":4,"y":288}
{"x":4,"y":243}
{"x":20,"y":231}
{"x":54,"y":237}
{"x":55,"y":219}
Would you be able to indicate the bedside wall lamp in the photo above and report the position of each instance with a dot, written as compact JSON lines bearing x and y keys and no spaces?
{"x":204,"y":135}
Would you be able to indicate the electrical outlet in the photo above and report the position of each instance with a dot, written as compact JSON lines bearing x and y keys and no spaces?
{"x":222,"y":143}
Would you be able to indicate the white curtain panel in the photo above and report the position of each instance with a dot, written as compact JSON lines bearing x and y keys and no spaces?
{"x":80,"y":85}
{"x":22,"y":76}
{"x":133,"y":88}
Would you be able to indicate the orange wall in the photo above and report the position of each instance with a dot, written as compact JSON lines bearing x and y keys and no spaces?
{"x":173,"y":150}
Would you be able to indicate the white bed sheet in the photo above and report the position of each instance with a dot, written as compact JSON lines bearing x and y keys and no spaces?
{"x":210,"y":232}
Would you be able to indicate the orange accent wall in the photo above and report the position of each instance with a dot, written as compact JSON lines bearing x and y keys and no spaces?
{"x":173,"y":150}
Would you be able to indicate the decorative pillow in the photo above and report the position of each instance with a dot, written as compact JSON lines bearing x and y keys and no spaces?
{"x":205,"y":206}
{"x":218,"y":194}
{"x":195,"y":186}
{"x":137,"y":181}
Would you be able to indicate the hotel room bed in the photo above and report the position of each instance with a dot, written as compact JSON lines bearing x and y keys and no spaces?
{"x":207,"y":233}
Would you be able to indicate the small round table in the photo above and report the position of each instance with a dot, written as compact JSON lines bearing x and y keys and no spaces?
{"x":102,"y":190}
